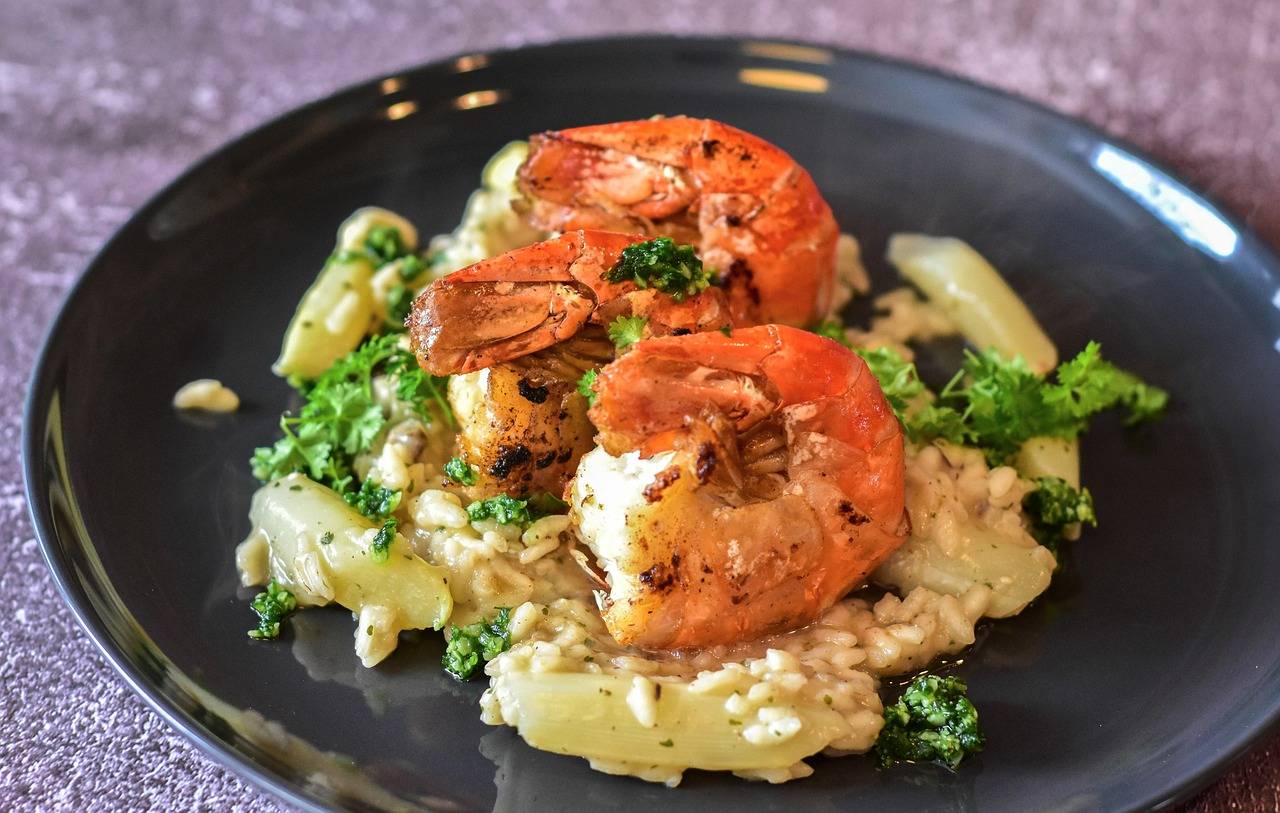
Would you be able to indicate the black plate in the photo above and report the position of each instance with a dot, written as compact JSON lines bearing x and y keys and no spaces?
{"x":1153,"y":663}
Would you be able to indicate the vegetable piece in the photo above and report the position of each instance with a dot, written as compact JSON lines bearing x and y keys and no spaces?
{"x":331,"y":319}
{"x":1049,"y":457}
{"x":974,"y":296}
{"x":932,"y":722}
{"x":504,"y":509}
{"x":335,"y":312}
{"x":476,"y":643}
{"x":1056,"y":510}
{"x":587,"y":715}
{"x":626,"y":331}
{"x":665,"y":265}
{"x":321,"y":550}
{"x":272,"y":606}
{"x":1016,"y":571}
{"x":373,"y":500}
{"x":586,"y":386}
{"x":457,"y":470}
{"x":490,"y":225}
{"x":500,"y":170}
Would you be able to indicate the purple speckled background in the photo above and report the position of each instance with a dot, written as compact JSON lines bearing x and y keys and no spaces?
{"x":104,"y":101}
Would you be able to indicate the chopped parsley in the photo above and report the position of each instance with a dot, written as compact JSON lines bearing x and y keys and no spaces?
{"x":586,"y":386}
{"x":385,"y":244}
{"x":272,"y":606}
{"x":664,"y":265}
{"x":626,"y":331}
{"x":507,"y":510}
{"x":504,"y":509}
{"x":326,"y":538}
{"x":340,"y":417}
{"x":1053,"y":506}
{"x":470,"y":645}
{"x":380,"y":547}
{"x":459,"y":472}
{"x":667,"y":743}
{"x":411,"y":267}
{"x":373,"y":500}
{"x":933,"y":721}
{"x":399,"y":304}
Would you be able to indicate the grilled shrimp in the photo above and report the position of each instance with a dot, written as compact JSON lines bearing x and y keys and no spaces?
{"x":533,"y":297}
{"x":517,"y":331}
{"x":522,"y":423}
{"x":743,"y":484}
{"x":753,"y":212}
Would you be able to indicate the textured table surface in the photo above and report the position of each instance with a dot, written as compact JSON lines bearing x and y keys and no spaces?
{"x":104,"y":101}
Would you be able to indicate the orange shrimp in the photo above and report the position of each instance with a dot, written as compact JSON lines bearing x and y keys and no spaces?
{"x":753,"y":212}
{"x":533,"y":297}
{"x":744,"y":483}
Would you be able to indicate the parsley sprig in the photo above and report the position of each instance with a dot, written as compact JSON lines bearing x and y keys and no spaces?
{"x":626,"y":331}
{"x":340,"y":418}
{"x":997,"y":404}
{"x":586,"y":386}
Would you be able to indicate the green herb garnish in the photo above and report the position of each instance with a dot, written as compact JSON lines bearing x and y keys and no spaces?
{"x":1053,"y":506}
{"x":385,"y":244}
{"x":340,"y":418}
{"x":459,"y":472}
{"x":399,"y":305}
{"x":997,"y":404}
{"x":586,"y":386}
{"x":373,"y":500}
{"x":272,"y":606}
{"x":832,"y":329}
{"x":626,"y":331}
{"x":482,"y":641}
{"x":932,"y":722}
{"x":664,"y":265}
{"x":380,"y":547}
{"x":504,"y":509}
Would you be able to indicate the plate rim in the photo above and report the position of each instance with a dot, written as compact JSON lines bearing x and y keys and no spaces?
{"x":37,"y":476}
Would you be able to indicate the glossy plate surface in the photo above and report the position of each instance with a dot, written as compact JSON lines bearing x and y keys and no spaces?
{"x":1153,"y":661}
